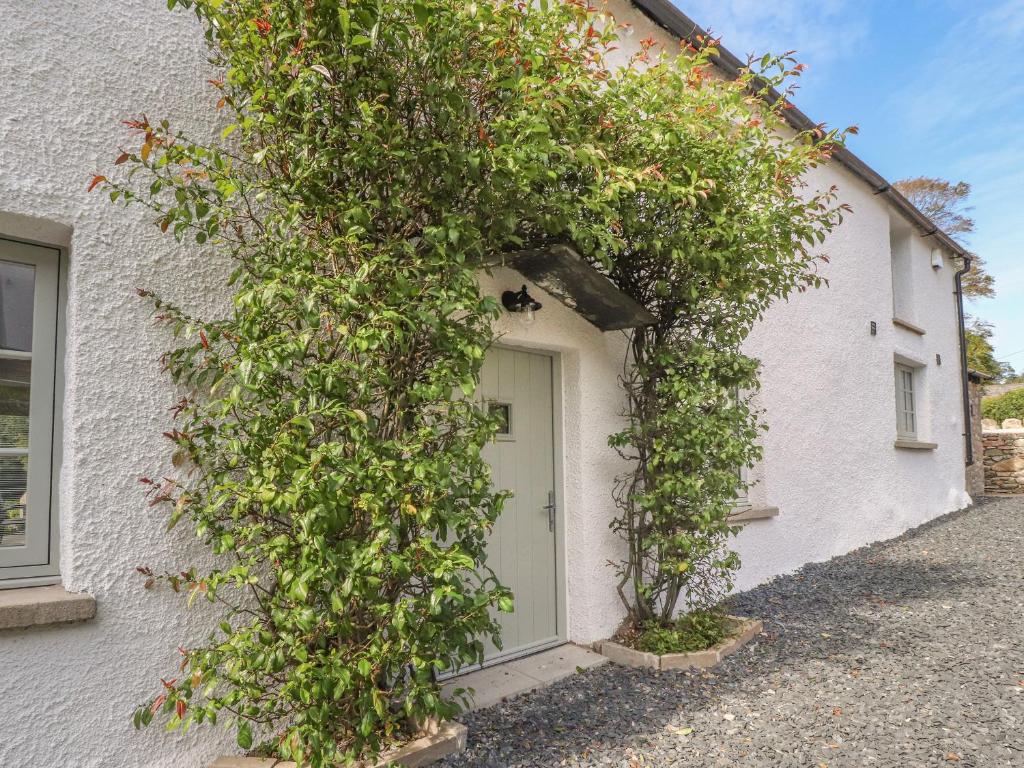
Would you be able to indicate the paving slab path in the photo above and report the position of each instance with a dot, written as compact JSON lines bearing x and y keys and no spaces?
{"x":909,"y":652}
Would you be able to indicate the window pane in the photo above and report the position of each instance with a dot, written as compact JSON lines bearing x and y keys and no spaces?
{"x":906,"y":417}
{"x":504,"y":413}
{"x":17,"y":288}
{"x":14,"y":399}
{"x":13,"y":499}
{"x":14,"y":380}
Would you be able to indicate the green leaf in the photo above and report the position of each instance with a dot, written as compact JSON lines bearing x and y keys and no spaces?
{"x":244,"y":734}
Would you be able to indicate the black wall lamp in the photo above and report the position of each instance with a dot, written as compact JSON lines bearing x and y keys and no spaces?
{"x":520,"y":302}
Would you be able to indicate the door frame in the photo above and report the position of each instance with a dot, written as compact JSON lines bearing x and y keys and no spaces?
{"x":558,"y":483}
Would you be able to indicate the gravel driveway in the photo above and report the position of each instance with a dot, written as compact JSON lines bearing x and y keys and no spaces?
{"x":905,"y":653}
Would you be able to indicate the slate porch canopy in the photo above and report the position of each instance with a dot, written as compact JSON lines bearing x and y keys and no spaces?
{"x":563,"y":273}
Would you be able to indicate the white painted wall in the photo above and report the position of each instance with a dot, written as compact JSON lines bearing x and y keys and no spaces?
{"x":828,"y":387}
{"x":69,"y":71}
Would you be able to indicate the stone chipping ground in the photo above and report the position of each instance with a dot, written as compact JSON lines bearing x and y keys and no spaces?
{"x":909,"y":652}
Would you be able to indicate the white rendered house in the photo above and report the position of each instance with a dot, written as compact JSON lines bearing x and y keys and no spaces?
{"x":863,"y":389}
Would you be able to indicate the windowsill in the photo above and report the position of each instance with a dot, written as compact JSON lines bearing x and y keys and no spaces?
{"x":748,"y":514}
{"x":914,"y":445}
{"x":41,"y":606}
{"x":908,"y":326}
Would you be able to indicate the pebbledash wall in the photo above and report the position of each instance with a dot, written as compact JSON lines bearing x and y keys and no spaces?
{"x":830,"y":462}
{"x":71,"y":70}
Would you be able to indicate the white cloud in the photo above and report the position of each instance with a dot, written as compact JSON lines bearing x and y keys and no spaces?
{"x":1004,"y":21}
{"x":963,"y":102}
{"x":820,"y":31}
{"x":973,"y":76}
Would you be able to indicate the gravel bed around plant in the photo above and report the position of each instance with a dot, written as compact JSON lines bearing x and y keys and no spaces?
{"x":909,"y":652}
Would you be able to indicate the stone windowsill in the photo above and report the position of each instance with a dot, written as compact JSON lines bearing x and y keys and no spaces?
{"x":915,"y":445}
{"x":40,"y":606}
{"x":747,"y":514}
{"x":906,"y":324}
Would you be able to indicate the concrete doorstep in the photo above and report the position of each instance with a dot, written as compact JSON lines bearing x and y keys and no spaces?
{"x":745,"y":630}
{"x":492,"y":685}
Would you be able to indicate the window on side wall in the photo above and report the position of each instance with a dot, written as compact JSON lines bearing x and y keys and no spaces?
{"x":742,"y":494}
{"x":742,"y":474}
{"x":906,"y":402}
{"x":29,"y":302}
{"x":902,"y":273}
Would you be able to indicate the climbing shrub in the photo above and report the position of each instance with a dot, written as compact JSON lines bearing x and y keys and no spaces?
{"x":375,"y":155}
{"x":722,"y":224}
{"x":1009,"y":405}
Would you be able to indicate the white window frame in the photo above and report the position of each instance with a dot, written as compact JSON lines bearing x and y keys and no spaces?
{"x":907,"y":402}
{"x":37,"y":561}
{"x":743,"y":496}
{"x":742,"y":499}
{"x":902,"y":272}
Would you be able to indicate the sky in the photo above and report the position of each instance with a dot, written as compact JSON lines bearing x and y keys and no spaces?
{"x":936,"y":88}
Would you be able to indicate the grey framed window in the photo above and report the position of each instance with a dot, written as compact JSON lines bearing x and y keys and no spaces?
{"x":900,"y":238}
{"x":742,"y":498}
{"x":29,"y":305}
{"x":742,"y":494}
{"x":906,"y":402}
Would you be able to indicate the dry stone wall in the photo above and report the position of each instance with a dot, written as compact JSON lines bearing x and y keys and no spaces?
{"x":994,"y":390}
{"x":1004,"y":456}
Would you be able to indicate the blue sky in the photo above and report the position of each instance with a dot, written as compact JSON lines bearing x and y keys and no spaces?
{"x":936,"y":88}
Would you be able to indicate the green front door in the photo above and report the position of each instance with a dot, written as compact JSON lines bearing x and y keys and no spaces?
{"x":522,"y":548}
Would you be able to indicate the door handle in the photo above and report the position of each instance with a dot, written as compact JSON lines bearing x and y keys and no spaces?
{"x":550,"y":507}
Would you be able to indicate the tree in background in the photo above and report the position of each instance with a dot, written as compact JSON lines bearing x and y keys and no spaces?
{"x":980,"y":355}
{"x":945,"y":203}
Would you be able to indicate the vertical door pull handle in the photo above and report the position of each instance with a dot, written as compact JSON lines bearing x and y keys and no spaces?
{"x":550,"y":507}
